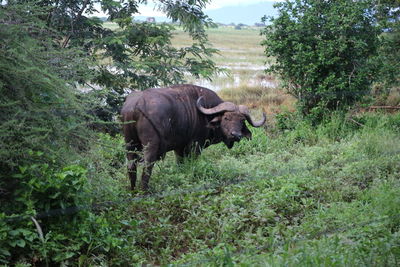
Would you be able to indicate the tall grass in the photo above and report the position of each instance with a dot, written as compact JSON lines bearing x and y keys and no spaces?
{"x":306,"y":196}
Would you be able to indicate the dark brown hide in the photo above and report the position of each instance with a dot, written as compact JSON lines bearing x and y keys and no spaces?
{"x":179,"y":118}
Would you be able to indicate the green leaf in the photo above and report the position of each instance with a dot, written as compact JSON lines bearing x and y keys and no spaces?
{"x":21,"y":243}
{"x":22,"y":169}
{"x":15,"y":232}
{"x":5,"y":252}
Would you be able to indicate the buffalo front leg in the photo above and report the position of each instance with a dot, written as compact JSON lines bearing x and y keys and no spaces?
{"x":148,"y":168}
{"x":179,"y":156}
{"x":151,"y":154}
{"x":192,"y":150}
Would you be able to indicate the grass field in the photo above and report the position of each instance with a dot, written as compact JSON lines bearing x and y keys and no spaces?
{"x":325,"y":196}
{"x":246,"y":82}
{"x":238,"y":47}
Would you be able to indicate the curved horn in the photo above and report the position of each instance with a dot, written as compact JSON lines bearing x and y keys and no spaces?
{"x":224,"y":106}
{"x":245,"y":111}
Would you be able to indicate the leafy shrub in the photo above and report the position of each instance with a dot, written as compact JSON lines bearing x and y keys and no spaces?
{"x":322,"y":51}
{"x":67,"y":229}
{"x":40,"y":109}
{"x":387,"y":15}
{"x":106,"y":165}
{"x":40,"y":188}
{"x":286,"y":120}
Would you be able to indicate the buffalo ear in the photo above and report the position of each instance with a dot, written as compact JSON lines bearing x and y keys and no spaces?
{"x":215,"y":122}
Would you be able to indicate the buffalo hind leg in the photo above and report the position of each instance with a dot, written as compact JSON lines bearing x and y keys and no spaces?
{"x":133,"y":158}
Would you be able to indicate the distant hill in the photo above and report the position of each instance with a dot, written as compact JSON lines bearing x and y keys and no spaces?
{"x":247,"y":14}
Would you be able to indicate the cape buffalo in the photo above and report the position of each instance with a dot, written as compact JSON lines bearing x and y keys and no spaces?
{"x":183,"y":118}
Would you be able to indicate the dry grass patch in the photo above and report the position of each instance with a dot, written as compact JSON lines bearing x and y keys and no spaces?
{"x":271,"y":100}
{"x":394,"y":97}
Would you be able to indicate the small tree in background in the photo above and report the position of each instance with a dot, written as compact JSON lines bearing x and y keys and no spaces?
{"x":388,"y":58}
{"x":322,"y":52}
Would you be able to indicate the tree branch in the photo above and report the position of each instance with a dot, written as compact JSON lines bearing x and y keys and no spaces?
{"x":78,"y":16}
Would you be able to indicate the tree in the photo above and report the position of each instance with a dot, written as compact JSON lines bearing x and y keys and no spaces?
{"x":322,"y":51}
{"x":387,"y":13}
{"x":40,"y":110}
{"x":136,"y":56}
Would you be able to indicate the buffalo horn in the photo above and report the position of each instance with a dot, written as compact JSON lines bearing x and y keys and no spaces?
{"x":245,"y":111}
{"x":224,"y":106}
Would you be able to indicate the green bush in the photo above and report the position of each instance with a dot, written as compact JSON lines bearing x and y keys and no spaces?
{"x":286,"y":120}
{"x":40,"y":188}
{"x":322,"y":52}
{"x":388,"y":58}
{"x":67,"y":230}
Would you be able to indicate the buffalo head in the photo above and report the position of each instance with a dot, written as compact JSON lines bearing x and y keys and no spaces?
{"x":229,"y":119}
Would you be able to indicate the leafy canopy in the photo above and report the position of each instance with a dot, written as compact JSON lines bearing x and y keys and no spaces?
{"x":322,"y":51}
{"x":388,"y":19}
{"x":137,"y":55}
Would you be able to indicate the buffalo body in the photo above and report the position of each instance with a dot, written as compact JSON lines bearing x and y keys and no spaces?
{"x":183,"y":118}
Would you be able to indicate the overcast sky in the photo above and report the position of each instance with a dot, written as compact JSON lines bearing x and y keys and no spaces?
{"x":222,"y":3}
{"x":149,"y":11}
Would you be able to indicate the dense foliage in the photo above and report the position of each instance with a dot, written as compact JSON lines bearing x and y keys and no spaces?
{"x":322,"y":51}
{"x":43,"y":139}
{"x":63,"y":73}
{"x":306,"y":196}
{"x":138,"y":55}
{"x":388,"y":18}
{"x":40,"y":111}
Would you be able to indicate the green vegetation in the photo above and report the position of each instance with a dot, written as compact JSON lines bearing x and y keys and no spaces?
{"x":323,"y":51}
{"x":297,"y":194}
{"x":286,"y":191}
{"x":292,"y":195}
{"x":387,"y":89}
{"x":388,"y":17}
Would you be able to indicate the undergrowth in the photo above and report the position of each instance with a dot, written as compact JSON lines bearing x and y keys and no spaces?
{"x":293,"y":195}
